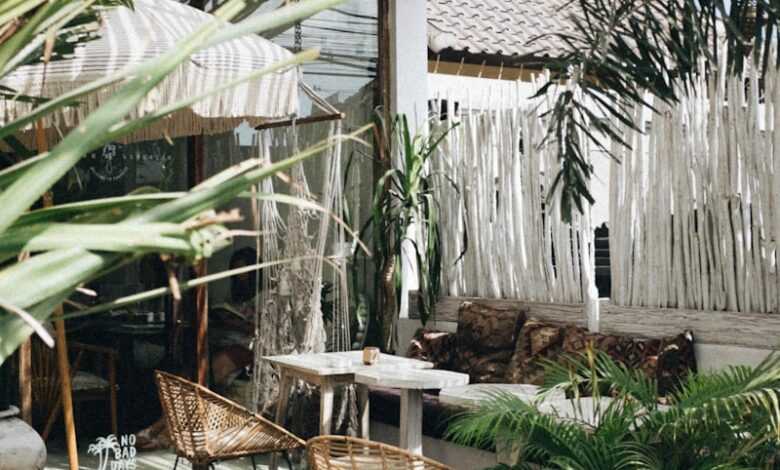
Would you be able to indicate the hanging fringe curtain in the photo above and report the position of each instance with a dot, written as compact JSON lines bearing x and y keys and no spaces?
{"x":273,"y":327}
{"x":694,"y":206}
{"x":290,"y":316}
{"x":516,"y":246}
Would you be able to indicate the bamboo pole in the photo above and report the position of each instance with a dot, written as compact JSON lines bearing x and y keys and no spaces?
{"x":61,"y":344}
{"x":518,"y":247}
{"x":25,"y":381}
{"x":63,"y":367}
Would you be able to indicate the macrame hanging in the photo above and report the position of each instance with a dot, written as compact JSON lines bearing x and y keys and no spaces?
{"x":290,"y":317}
{"x":272,"y":327}
{"x":340,"y":331}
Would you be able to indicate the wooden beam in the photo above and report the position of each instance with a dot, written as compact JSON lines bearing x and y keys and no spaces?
{"x":751,"y":330}
{"x":485,"y":71}
{"x":300,"y":121}
{"x":382,"y":93}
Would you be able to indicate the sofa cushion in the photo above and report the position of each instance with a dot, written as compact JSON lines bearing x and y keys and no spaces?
{"x":631,"y":352}
{"x":536,"y":342}
{"x":484,"y":367}
{"x":482,"y":328}
{"x":486,"y":339}
{"x":666,"y":360}
{"x":433,"y":346}
{"x":676,"y":359}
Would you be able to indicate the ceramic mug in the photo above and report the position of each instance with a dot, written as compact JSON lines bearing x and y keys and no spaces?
{"x":370,"y":356}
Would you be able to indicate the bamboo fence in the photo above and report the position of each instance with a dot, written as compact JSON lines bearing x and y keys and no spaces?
{"x":516,"y":246}
{"x":693,"y":207}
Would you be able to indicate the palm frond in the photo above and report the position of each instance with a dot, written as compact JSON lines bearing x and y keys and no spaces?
{"x":721,"y":420}
{"x":623,"y":54}
{"x":596,"y":373}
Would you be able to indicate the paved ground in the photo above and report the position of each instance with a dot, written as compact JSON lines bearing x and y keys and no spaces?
{"x":155,"y":460}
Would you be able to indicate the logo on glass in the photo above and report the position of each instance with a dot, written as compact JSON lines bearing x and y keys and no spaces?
{"x":113,"y":453}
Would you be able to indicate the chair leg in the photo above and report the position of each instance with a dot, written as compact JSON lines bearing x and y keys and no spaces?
{"x":254,"y":465}
{"x":286,"y":454}
{"x":112,"y":398}
{"x":176,"y":463}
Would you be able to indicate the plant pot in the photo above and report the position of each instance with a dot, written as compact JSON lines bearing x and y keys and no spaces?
{"x":21,"y":447}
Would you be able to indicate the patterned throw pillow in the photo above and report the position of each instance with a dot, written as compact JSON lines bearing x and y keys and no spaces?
{"x":437,"y":347}
{"x":536,"y":342}
{"x":667,"y":360}
{"x":485,"y":341}
{"x":676,"y":359}
{"x":484,"y":328}
{"x":631,"y":352}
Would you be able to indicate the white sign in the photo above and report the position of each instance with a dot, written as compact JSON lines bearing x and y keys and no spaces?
{"x":113,"y":453}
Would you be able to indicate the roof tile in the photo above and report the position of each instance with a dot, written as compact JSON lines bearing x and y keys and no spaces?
{"x":498,"y":26}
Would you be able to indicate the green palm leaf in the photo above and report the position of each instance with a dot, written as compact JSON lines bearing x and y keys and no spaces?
{"x":82,"y":241}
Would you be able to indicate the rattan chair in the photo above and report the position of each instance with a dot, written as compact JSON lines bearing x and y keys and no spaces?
{"x":93,"y":378}
{"x":341,"y":453}
{"x":206,"y":428}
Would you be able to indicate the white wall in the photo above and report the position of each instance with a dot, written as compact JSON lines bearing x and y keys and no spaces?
{"x":409,"y":96}
{"x":409,"y":60}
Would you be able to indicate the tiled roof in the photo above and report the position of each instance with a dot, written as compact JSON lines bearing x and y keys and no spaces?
{"x":502,"y":27}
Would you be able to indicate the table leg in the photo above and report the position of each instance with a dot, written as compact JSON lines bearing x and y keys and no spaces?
{"x":363,"y":413}
{"x":326,"y":407}
{"x":411,"y":421}
{"x":285,"y":388}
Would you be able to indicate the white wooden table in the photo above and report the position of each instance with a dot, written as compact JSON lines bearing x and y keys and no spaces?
{"x":411,"y":382}
{"x":328,"y":370}
{"x":472,"y":395}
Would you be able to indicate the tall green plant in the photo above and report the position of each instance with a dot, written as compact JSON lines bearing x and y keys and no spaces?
{"x":722,"y":420}
{"x":75,"y":244}
{"x":406,"y":213}
{"x":619,"y":54}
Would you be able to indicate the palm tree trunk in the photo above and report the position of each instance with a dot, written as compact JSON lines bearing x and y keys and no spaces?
{"x":389,"y":310}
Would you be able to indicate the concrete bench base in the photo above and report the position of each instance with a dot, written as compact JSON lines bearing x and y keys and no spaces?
{"x":458,"y":457}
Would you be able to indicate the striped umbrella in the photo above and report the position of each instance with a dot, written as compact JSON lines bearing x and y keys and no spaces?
{"x":130,"y":37}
